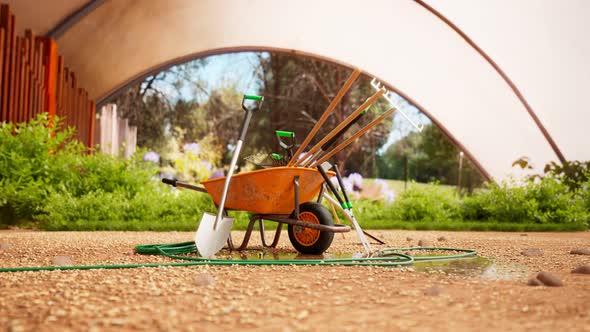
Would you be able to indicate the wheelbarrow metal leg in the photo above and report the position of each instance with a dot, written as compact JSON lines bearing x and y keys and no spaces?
{"x":321,"y":194}
{"x":276,"y":238}
{"x":296,"y":185}
{"x":246,"y":239}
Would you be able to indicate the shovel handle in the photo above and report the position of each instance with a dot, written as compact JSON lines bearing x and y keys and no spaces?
{"x":249,"y":111}
{"x":254,"y":97}
{"x":234,"y":159}
{"x":257,"y":106}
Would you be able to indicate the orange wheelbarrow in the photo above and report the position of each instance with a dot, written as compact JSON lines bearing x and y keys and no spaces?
{"x":286,"y":195}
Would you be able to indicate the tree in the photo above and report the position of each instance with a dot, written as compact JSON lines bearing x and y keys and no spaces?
{"x":298,"y":89}
{"x":431,"y":157}
{"x":155,"y":104}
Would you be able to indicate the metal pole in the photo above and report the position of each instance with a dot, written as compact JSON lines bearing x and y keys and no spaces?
{"x":405,"y":172}
{"x":461,"y":154}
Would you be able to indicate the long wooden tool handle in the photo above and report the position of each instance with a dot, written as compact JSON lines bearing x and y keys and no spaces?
{"x":324,"y":116}
{"x":353,"y":137}
{"x":350,"y":118}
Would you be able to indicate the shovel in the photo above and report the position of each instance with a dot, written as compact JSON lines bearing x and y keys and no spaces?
{"x":214,"y":231}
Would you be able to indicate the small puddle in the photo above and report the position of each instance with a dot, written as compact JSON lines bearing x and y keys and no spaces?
{"x":279,"y":255}
{"x":477,"y":266}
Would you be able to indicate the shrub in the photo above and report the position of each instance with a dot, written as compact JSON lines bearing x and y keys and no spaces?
{"x":27,"y":154}
{"x":40,"y":159}
{"x":432,"y":203}
{"x":47,"y":176}
{"x":156,"y":208}
{"x":544,"y":201}
{"x":573,"y":173}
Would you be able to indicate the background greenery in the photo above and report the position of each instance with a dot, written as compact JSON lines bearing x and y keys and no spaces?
{"x":182,"y":104}
{"x":51,"y":181}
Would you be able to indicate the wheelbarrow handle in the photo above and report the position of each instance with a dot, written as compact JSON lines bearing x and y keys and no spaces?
{"x":171,"y":182}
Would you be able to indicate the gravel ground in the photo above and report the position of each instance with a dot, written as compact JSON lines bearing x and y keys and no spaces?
{"x":494,"y":296}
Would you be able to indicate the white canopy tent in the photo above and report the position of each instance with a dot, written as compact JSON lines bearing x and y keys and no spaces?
{"x":523,"y":97}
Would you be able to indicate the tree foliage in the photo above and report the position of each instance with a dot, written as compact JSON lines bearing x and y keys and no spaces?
{"x":297,"y":90}
{"x":430,"y":156}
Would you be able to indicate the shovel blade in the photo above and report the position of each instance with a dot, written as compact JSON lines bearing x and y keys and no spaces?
{"x":208,"y":240}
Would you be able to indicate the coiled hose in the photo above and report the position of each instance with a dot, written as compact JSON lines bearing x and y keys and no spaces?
{"x":385,"y":257}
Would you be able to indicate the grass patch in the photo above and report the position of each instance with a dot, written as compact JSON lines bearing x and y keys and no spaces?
{"x":474,"y":226}
{"x":399,"y":186}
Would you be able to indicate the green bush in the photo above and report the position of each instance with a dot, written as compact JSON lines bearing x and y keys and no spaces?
{"x":40,"y":161}
{"x":432,"y":203}
{"x":585,"y":194}
{"x":152,"y":209}
{"x":543,"y":201}
{"x":28,"y":167}
{"x":49,"y":178}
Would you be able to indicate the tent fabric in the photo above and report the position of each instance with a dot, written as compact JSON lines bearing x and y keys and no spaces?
{"x":541,"y":44}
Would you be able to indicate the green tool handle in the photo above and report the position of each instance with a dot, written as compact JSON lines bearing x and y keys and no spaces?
{"x":341,"y":183}
{"x":254,"y":97}
{"x":281,"y":133}
{"x":283,"y":144}
{"x":256,"y":107}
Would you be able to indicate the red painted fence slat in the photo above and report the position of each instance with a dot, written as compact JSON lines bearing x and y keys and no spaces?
{"x":34,"y":79}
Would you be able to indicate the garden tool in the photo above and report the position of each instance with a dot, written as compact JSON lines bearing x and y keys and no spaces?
{"x":214,"y":231}
{"x":266,"y":160}
{"x":349,"y":203}
{"x":306,"y":159}
{"x":334,"y":139}
{"x":322,"y":119}
{"x":347,"y":211}
{"x":353,"y":138}
{"x":286,"y":146}
{"x":389,"y":96}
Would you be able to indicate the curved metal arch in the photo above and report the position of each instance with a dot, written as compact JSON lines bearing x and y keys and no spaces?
{"x":63,"y":26}
{"x":502,"y":74}
{"x":113,"y":93}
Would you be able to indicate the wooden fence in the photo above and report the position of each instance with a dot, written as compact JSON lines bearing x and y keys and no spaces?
{"x":116,"y":137}
{"x":34,"y":79}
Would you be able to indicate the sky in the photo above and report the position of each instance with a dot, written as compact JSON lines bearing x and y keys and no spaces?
{"x":240,"y":69}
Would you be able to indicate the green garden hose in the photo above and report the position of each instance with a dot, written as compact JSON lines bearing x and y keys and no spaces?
{"x":385,"y":257}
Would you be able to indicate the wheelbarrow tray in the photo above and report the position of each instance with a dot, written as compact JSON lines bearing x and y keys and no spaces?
{"x":267,"y":191}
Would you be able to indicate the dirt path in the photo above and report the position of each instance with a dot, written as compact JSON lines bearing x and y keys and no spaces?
{"x":494,"y":297}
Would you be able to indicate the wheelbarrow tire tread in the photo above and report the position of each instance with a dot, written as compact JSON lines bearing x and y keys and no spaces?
{"x":325,"y":239}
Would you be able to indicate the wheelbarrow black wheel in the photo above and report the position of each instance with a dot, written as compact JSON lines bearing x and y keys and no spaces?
{"x":308,"y":240}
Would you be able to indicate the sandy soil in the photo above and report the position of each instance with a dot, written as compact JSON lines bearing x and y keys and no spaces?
{"x":292,"y":298}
